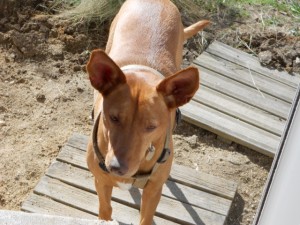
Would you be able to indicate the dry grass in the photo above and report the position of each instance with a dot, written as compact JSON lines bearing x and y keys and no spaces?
{"x":94,"y":10}
{"x":101,"y":11}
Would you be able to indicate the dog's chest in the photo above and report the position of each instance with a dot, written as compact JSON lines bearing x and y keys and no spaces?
{"x":124,"y":186}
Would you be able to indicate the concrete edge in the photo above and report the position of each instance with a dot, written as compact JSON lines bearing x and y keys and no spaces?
{"x":22,"y":218}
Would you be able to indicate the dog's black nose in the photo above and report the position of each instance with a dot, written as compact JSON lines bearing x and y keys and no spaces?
{"x":116,"y":167}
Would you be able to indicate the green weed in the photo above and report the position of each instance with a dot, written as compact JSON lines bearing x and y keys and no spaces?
{"x":295,"y":8}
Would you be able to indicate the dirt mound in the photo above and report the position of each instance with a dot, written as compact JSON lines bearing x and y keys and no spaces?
{"x":41,"y":36}
{"x":275,"y":50}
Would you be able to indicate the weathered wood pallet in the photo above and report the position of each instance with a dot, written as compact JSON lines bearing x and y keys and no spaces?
{"x":189,"y":196}
{"x":240,"y":100}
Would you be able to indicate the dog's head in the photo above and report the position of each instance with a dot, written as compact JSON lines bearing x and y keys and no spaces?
{"x":137,"y":110}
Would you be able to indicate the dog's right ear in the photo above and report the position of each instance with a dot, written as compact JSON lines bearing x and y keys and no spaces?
{"x":103,"y":72}
{"x":179,"y":88}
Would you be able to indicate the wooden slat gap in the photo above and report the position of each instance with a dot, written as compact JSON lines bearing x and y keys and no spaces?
{"x":243,"y":142}
{"x":71,"y":163}
{"x":237,"y":117}
{"x":64,"y":158}
{"x":64,"y":203}
{"x":136,"y":206}
{"x":239,"y":99}
{"x":75,"y":146}
{"x":201,"y":189}
{"x":78,"y":141}
{"x":72,"y":184}
{"x":175,"y":220}
{"x":216,"y":53}
{"x":161,"y":215}
{"x":242,"y":82}
{"x":198,"y":63}
{"x":118,"y":200}
{"x":194,"y":205}
{"x":77,"y":165}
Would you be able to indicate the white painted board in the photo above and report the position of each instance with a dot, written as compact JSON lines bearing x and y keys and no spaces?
{"x":280,"y":203}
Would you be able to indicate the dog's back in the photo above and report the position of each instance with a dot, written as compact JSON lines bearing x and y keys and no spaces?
{"x":148,"y":33}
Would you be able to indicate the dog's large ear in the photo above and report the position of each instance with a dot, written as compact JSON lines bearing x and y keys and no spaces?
{"x":104,"y":74}
{"x":179,"y":88}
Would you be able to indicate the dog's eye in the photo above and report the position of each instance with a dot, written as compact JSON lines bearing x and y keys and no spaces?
{"x":114,"y":119}
{"x":151,"y":128}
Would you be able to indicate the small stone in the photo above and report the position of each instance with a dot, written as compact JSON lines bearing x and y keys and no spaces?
{"x":233,"y":147}
{"x":3,"y":109}
{"x":21,"y":81}
{"x":57,"y":51}
{"x":296,"y":65}
{"x":265,"y":57}
{"x":291,"y":54}
{"x":12,"y":56}
{"x":6,"y":59}
{"x":2,"y":123}
{"x":80,"y":90}
{"x":76,"y":68}
{"x":57,"y":64}
{"x":41,"y":98}
{"x":224,"y":140}
{"x":192,"y":140}
{"x":61,"y":70}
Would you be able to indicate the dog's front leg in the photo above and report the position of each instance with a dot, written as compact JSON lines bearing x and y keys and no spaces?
{"x":150,"y":198}
{"x":104,"y":194}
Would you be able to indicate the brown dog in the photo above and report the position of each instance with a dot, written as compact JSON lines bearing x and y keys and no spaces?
{"x":134,"y":113}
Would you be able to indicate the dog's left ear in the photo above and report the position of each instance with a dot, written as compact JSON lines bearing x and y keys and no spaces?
{"x":104,"y":73}
{"x":179,"y":88}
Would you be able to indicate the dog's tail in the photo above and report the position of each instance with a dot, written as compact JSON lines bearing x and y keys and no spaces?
{"x":195,"y":28}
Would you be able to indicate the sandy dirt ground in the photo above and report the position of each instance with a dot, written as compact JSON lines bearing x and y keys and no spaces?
{"x":45,"y":96}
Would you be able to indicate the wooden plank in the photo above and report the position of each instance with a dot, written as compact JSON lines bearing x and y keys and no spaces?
{"x":74,"y":176}
{"x":246,"y":76}
{"x":167,"y":208}
{"x":73,"y":156}
{"x":44,"y":205}
{"x":196,"y":197}
{"x":190,"y":177}
{"x":240,"y":110}
{"x":248,"y":61}
{"x":180,"y":192}
{"x":86,"y":201}
{"x":230,"y":128}
{"x":202,"y":181}
{"x":78,"y":141}
{"x":244,"y":93}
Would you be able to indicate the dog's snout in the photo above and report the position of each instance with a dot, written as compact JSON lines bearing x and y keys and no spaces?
{"x":117,"y":167}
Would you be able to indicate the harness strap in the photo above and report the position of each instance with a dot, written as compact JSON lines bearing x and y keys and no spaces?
{"x":140,"y":181}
